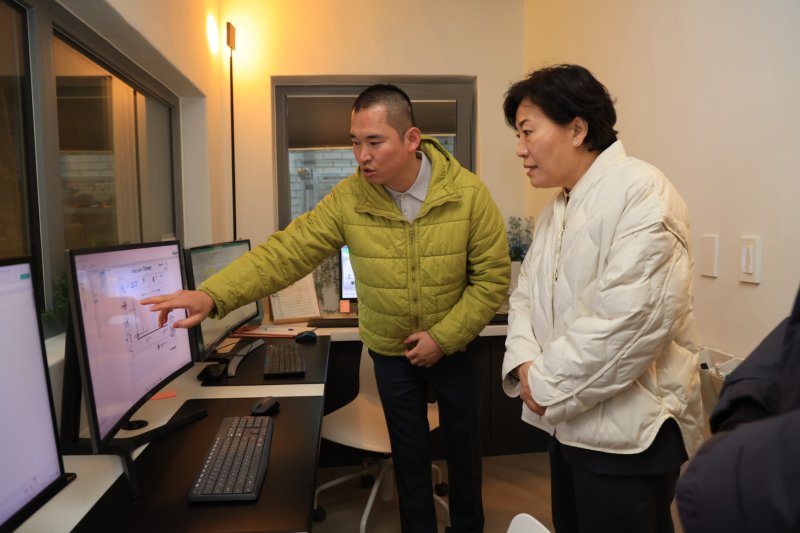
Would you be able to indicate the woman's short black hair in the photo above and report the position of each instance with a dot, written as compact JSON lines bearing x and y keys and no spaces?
{"x":564,"y":92}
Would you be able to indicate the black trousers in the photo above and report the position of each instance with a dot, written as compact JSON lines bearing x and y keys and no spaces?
{"x":403,"y":388}
{"x":586,"y":502}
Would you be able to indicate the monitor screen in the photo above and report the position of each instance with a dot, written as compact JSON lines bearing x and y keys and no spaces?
{"x":30,"y":461}
{"x":124,"y":356}
{"x":201,"y":263}
{"x":347,"y":279}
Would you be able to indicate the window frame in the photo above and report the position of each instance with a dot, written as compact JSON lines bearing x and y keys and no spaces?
{"x":462,"y":89}
{"x":46,"y":20}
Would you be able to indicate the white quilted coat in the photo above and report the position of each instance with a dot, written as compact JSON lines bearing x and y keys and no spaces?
{"x":603,"y":308}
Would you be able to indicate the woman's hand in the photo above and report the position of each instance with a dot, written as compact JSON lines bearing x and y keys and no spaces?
{"x":525,"y":389}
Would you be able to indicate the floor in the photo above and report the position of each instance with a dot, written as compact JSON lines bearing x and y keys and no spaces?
{"x":512,"y":484}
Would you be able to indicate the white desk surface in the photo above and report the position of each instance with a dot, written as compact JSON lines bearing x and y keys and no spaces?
{"x":96,"y":473}
{"x":351,"y":334}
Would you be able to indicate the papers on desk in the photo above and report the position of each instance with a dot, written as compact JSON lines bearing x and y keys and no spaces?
{"x":296,"y":303}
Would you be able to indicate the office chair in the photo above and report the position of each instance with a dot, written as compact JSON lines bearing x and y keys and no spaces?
{"x":525,"y":523}
{"x":360,"y":424}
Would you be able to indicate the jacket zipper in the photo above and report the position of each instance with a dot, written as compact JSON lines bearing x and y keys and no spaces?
{"x":414,"y":289}
{"x":563,"y":224}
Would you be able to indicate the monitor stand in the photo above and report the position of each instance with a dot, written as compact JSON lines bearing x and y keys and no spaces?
{"x":124,"y":447}
{"x":234,"y":361}
{"x":71,"y":441}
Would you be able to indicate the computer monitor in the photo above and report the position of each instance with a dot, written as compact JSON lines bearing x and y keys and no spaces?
{"x":201,"y":263}
{"x":30,"y":459}
{"x":347,"y":279}
{"x":123,"y":355}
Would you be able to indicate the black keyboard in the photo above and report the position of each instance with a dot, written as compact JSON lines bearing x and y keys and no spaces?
{"x":284,"y":360}
{"x":334,"y":322}
{"x":236,"y":463}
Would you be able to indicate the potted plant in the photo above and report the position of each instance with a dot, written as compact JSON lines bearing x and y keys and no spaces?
{"x":520,"y":236}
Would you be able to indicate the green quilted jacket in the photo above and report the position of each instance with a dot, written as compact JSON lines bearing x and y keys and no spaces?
{"x":445,"y":273}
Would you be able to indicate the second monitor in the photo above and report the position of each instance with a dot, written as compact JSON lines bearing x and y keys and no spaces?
{"x":201,"y":263}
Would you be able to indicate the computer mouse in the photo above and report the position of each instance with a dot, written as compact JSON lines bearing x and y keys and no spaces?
{"x":305,"y":336}
{"x":267,"y":405}
{"x":212,"y":372}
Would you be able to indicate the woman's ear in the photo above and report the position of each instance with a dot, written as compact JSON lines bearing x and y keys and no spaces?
{"x":580,"y":128}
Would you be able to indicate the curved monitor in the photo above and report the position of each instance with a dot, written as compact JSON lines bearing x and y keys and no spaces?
{"x":201,"y":263}
{"x":123,"y":354}
{"x":347,"y":278}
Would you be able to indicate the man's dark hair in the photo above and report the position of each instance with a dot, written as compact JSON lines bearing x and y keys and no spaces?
{"x":564,"y":92}
{"x":399,"y":113}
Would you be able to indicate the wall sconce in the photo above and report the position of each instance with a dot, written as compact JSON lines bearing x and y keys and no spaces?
{"x":231,"y":42}
{"x":212,"y":34}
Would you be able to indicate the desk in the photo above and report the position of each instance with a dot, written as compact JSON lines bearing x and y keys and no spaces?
{"x":96,"y":474}
{"x":251,"y":368}
{"x":167,"y":468}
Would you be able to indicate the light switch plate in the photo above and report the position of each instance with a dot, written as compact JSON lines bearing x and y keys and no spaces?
{"x":708,"y":262}
{"x":749,"y":260}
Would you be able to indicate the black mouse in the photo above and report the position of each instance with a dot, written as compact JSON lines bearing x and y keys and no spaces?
{"x":305,"y":336}
{"x":267,"y":405}
{"x":212,"y":372}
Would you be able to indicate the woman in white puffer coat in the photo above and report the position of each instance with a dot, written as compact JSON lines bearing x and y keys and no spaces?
{"x":600,"y":343}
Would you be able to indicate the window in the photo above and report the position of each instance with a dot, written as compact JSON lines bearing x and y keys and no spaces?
{"x":14,"y":131}
{"x":115,"y":162}
{"x":314,"y":151}
{"x":104,"y":146}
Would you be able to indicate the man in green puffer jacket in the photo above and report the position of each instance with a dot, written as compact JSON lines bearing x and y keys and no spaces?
{"x":428,"y":249}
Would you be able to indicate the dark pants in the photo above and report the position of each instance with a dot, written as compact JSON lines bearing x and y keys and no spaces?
{"x":585,"y":501}
{"x":455,"y":379}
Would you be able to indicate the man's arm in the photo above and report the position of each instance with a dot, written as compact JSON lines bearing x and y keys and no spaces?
{"x":284,"y":258}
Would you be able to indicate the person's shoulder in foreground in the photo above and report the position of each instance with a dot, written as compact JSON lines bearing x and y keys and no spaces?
{"x":747,"y":476}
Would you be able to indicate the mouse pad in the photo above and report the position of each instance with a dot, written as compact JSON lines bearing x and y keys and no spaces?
{"x":251,"y":368}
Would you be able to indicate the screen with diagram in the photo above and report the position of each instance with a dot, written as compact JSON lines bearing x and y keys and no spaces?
{"x":128,"y":354}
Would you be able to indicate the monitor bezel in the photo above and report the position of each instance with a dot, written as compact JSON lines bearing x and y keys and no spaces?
{"x":201,"y":352}
{"x":98,"y":442}
{"x":341,"y":277}
{"x":47,"y":493}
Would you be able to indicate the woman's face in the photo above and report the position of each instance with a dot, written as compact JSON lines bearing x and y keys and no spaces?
{"x":549,"y":151}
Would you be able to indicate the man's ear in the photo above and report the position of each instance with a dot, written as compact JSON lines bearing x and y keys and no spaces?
{"x":412,"y":138}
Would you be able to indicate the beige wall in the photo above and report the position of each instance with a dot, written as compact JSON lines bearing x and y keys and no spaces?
{"x":704,"y":89}
{"x":471,"y":37}
{"x":707,"y":91}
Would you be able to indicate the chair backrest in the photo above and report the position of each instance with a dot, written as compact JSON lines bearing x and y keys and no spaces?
{"x":367,"y":386}
{"x":525,"y":523}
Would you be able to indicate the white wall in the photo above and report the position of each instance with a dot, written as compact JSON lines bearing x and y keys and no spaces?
{"x":707,"y":91}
